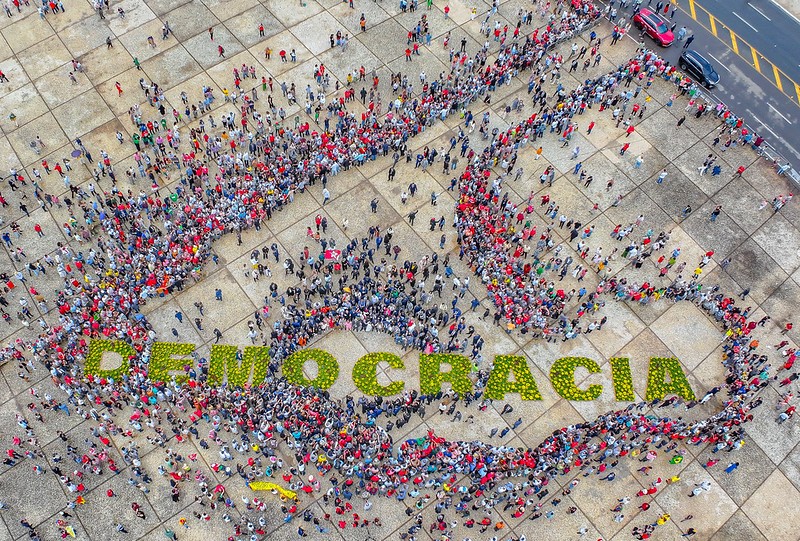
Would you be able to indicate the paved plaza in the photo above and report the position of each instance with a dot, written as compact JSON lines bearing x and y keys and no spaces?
{"x":753,"y":256}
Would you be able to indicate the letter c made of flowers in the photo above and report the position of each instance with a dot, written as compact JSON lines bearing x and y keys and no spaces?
{"x":366,"y":378}
{"x":562,"y":378}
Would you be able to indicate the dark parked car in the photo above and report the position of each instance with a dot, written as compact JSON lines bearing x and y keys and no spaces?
{"x":654,"y":26}
{"x":700,"y":69}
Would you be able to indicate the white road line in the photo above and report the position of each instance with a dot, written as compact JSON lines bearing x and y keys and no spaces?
{"x":760,"y":12}
{"x":786,"y":11}
{"x":745,"y":22}
{"x":779,"y":113}
{"x":764,"y":125}
{"x":718,"y":62}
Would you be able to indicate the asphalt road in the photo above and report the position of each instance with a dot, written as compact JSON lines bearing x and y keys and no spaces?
{"x":748,"y":93}
{"x":763,"y":25}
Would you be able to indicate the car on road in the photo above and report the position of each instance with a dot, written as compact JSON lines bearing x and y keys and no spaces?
{"x":697,"y":67}
{"x":654,"y":26}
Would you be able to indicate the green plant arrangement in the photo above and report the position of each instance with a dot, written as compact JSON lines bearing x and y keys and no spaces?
{"x":95,"y":355}
{"x":224,"y":363}
{"x":498,"y":384}
{"x":562,"y":377}
{"x":657,"y":388}
{"x":327,"y":366}
{"x":622,"y":379}
{"x":365,"y":374}
{"x":163,"y":361}
{"x":431,"y":376}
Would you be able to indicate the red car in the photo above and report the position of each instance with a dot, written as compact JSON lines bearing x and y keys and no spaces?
{"x":655,"y":26}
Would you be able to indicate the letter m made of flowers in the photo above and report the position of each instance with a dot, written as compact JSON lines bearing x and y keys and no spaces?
{"x":226,"y":364}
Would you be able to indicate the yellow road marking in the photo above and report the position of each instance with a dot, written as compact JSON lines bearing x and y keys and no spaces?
{"x":734,"y":44}
{"x":797,"y":92}
{"x":713,"y":24}
{"x":691,"y":9}
{"x":777,"y":75}
{"x":756,"y":64}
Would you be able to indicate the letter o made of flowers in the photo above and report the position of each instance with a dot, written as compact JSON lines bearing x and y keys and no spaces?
{"x":327,"y":367}
{"x":365,"y":374}
{"x":95,"y":355}
{"x":562,"y":378}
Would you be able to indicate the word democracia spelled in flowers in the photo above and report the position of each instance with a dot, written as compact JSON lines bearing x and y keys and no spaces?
{"x":510,"y":374}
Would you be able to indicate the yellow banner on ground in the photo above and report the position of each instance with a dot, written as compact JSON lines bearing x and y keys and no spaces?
{"x":266,"y":485}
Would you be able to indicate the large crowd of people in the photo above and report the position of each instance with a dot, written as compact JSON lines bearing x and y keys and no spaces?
{"x":133,"y":247}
